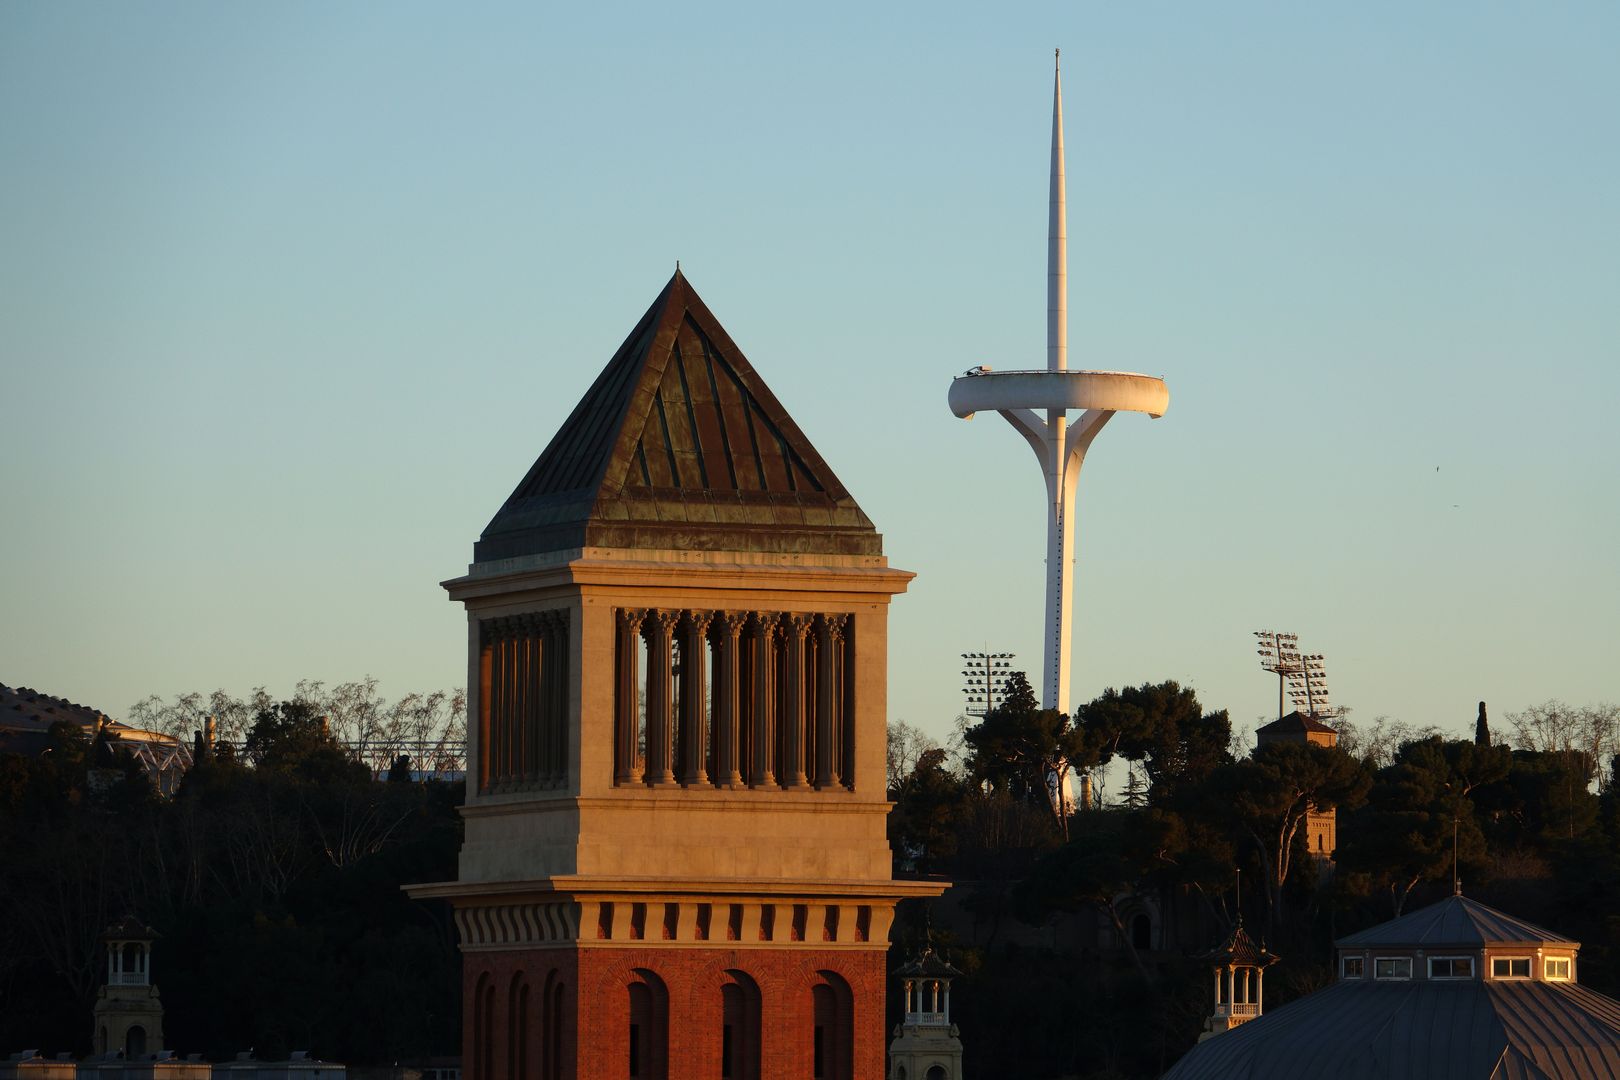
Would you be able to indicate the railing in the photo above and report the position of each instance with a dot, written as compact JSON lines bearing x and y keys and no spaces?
{"x":127,"y":978}
{"x":926,"y":1018}
{"x":1243,"y":1008}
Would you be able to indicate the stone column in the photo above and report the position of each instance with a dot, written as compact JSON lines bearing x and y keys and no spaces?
{"x":485,"y":704}
{"x":525,"y":720}
{"x":760,"y":773}
{"x":694,"y":698}
{"x":728,"y":698}
{"x":794,"y":629}
{"x":499,"y":706}
{"x":829,"y":699}
{"x":626,"y":691}
{"x":557,"y":699}
{"x":660,"y":627}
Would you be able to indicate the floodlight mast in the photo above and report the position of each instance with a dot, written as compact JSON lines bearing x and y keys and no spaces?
{"x":986,"y":674}
{"x":1017,"y":395}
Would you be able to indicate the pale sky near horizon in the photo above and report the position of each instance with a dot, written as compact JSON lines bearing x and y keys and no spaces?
{"x":292,"y":294}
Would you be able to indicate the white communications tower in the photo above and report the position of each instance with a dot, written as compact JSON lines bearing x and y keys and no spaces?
{"x":1017,"y":395}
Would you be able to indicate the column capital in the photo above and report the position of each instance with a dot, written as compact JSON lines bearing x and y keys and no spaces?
{"x":731,"y":622}
{"x":833,"y":625}
{"x":665,"y":619}
{"x":797,"y":623}
{"x":631,"y":618}
{"x":698,"y":621}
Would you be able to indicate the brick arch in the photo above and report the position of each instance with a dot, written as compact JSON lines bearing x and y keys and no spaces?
{"x":480,"y":1062}
{"x":832,"y":1013}
{"x":519,"y":1032}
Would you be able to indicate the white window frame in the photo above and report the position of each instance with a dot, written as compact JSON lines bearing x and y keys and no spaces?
{"x":1345,"y":961}
{"x":1529,"y":961}
{"x":1393,"y":959}
{"x":1469,"y":960}
{"x":1569,"y":968}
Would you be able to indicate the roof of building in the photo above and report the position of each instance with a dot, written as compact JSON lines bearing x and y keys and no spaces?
{"x":1456,"y":920}
{"x":1423,"y":1030}
{"x":129,"y":928}
{"x":26,"y":717}
{"x":1294,"y":723}
{"x":679,"y":444}
{"x":1239,"y":948}
{"x":927,"y":966}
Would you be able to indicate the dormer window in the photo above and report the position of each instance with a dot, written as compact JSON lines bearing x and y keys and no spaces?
{"x":1392,"y":967}
{"x":1510,"y":967}
{"x":1451,"y":967}
{"x":1352,"y":967}
{"x":1556,"y":970}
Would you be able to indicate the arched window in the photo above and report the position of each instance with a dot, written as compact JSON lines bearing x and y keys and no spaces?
{"x":935,"y":1072}
{"x":739,"y":1032}
{"x":833,"y":1037}
{"x":481,"y":1055}
{"x":549,"y":1022}
{"x":648,"y":1038}
{"x":519,"y":1045}
{"x":1142,"y":932}
{"x":134,"y":1043}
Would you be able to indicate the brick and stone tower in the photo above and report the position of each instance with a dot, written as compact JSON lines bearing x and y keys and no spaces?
{"x":1321,"y":826}
{"x":675,"y":863}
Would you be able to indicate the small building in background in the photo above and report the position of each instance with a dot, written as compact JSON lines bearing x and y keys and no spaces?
{"x":1321,"y":826}
{"x":1454,"y":990}
{"x":128,"y":1012}
{"x":1240,"y":981}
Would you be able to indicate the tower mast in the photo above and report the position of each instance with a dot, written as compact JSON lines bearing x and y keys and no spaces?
{"x":1060,"y":447}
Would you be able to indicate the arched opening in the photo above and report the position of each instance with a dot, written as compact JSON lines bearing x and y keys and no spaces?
{"x":739,"y":1031}
{"x":935,"y":1072}
{"x":480,"y":1056}
{"x":1142,"y":932}
{"x":101,"y":1039}
{"x":832,"y":1038}
{"x":134,"y":1042}
{"x":647,"y":1049}
{"x":519,"y":1044}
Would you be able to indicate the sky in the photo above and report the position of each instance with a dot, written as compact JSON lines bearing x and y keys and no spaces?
{"x":291,"y":296}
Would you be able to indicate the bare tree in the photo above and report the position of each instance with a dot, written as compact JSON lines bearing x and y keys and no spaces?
{"x":1592,"y":731}
{"x":906,"y":746}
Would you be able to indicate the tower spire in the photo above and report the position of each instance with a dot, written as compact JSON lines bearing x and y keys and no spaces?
{"x":1057,"y":239}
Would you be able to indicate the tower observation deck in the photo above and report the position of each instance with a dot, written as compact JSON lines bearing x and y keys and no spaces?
{"x":1037,"y":404}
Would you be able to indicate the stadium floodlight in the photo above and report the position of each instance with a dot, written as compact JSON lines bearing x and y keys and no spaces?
{"x":987,"y":674}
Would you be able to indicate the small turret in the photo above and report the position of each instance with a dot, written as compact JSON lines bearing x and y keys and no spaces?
{"x":926,"y":1044}
{"x":1240,"y":973}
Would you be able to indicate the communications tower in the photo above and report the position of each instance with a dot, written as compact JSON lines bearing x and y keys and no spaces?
{"x":1022,"y":396}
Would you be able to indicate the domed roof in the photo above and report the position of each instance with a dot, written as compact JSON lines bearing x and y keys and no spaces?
{"x":1456,"y":920}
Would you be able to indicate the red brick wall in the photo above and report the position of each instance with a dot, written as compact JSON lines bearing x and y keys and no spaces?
{"x":596,"y":1016}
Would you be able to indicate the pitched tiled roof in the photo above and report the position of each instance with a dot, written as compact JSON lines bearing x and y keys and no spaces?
{"x":1423,"y":1030}
{"x":927,"y":966}
{"x":1294,"y":723}
{"x":1239,"y":948}
{"x":679,"y":444}
{"x":1456,"y":920}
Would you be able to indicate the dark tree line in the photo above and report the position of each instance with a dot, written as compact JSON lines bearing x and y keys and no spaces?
{"x":1521,"y":826}
{"x":272,"y":877}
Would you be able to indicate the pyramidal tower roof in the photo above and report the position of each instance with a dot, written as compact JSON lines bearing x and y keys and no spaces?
{"x":679,"y":444}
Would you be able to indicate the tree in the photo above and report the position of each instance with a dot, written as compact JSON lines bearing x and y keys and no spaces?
{"x":1591,"y":732}
{"x":906,"y":746}
{"x":1420,"y":821}
{"x":1482,"y":728}
{"x":1100,"y":866}
{"x":928,"y":807}
{"x":1270,"y":795}
{"x":289,"y":737}
{"x":1018,"y":745}
{"x":1162,"y":727}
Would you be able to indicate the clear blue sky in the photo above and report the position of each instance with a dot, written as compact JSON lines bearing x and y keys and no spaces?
{"x":292,"y":294}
